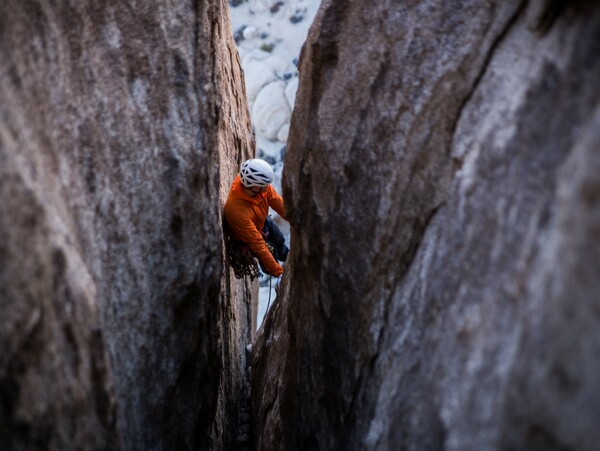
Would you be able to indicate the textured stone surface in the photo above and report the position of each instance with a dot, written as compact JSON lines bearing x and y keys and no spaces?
{"x":442,"y":290}
{"x":121,"y":127}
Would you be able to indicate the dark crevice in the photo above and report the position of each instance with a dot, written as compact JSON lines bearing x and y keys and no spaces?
{"x":367,"y":371}
{"x":488,"y":58}
{"x":553,"y":9}
{"x":539,"y":438}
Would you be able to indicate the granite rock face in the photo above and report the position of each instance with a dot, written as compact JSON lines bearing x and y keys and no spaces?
{"x":442,"y":183}
{"x":121,"y":127}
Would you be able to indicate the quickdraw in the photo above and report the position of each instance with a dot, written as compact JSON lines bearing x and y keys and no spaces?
{"x":271,"y":249}
{"x":242,"y":261}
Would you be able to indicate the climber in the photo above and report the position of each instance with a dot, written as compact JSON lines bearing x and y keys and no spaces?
{"x":247,"y":217}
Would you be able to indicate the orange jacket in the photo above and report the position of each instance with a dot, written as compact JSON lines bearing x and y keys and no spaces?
{"x":245,"y":218}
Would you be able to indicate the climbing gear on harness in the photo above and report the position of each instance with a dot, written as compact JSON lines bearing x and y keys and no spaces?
{"x":273,"y":252}
{"x":272,"y":249}
{"x":242,"y":261}
{"x":256,"y":173}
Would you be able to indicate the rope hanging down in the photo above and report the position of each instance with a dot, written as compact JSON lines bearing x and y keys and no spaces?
{"x":242,"y":260}
{"x":244,"y":264}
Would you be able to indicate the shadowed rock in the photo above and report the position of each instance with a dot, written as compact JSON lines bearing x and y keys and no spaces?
{"x":441,"y":177}
{"x":121,"y":128}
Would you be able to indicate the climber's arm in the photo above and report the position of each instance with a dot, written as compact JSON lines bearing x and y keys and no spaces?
{"x":243,"y":228}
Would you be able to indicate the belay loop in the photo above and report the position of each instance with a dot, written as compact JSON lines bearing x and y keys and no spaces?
{"x":242,"y":261}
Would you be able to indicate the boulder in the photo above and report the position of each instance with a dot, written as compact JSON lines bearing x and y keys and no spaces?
{"x":258,"y":73}
{"x":271,"y":110}
{"x":283,"y":133}
{"x":260,"y":5}
{"x":290,"y":91}
{"x":120,"y":131}
{"x":441,"y":183}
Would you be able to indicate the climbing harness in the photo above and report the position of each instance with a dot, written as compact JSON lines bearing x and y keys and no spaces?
{"x":242,"y":261}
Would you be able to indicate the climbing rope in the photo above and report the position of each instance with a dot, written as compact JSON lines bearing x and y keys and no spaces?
{"x":242,"y":261}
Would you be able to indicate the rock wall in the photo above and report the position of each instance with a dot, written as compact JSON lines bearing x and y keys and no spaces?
{"x":442,"y":182}
{"x":121,"y":127}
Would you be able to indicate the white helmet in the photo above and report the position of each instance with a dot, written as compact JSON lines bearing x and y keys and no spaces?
{"x":256,"y":172}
